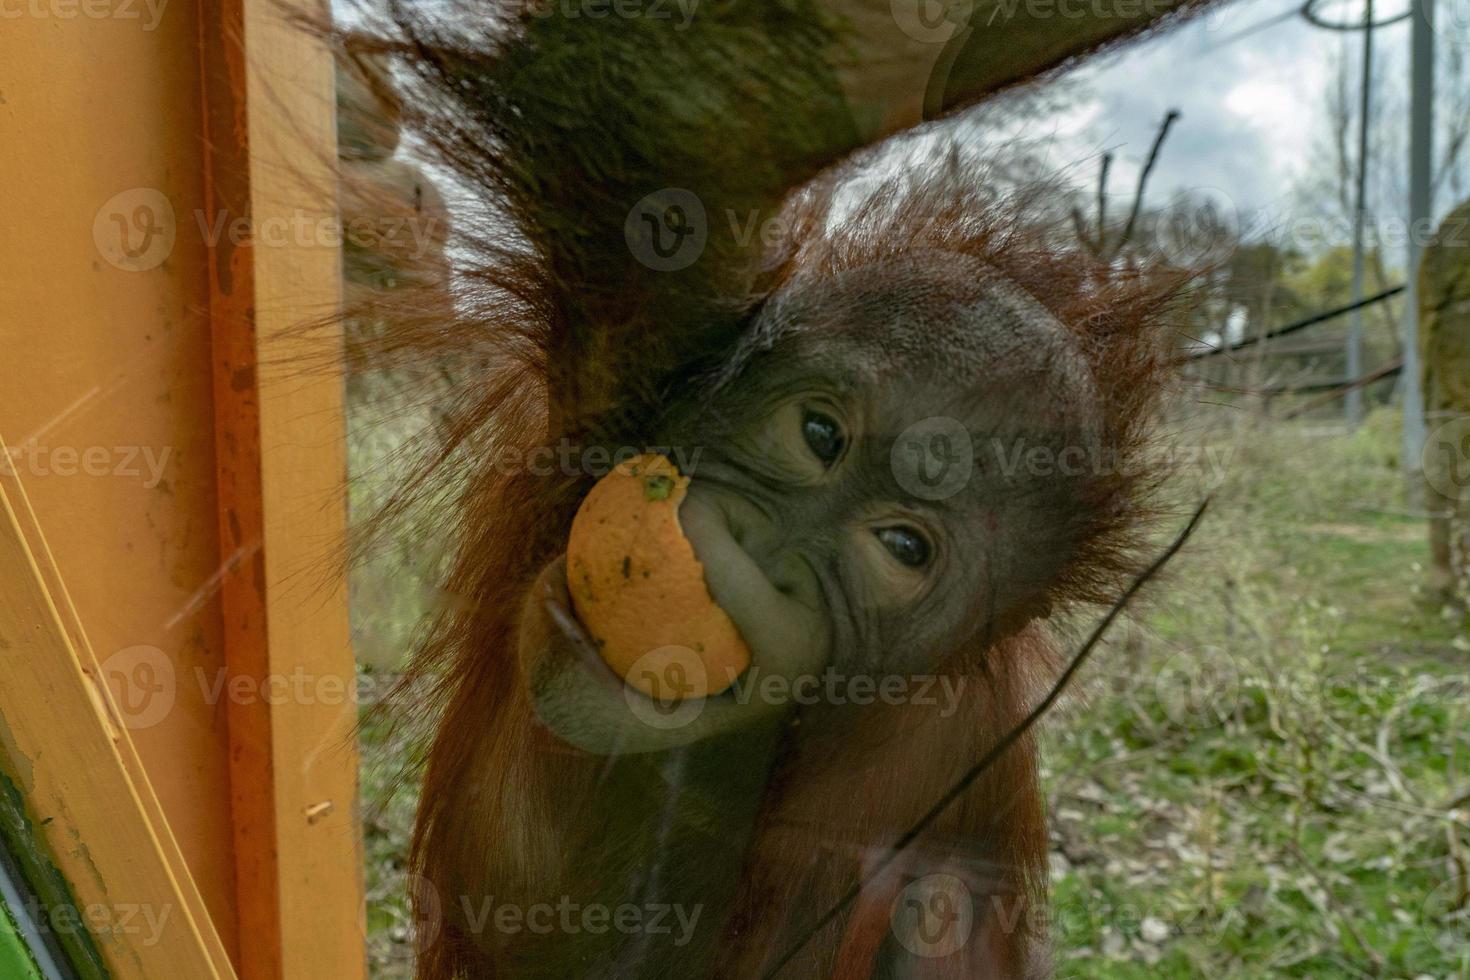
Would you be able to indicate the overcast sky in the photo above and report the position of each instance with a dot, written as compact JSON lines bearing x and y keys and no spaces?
{"x":1253,"y":106}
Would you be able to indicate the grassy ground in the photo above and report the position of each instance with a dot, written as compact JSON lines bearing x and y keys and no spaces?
{"x":387,"y":821}
{"x":1267,"y":776}
{"x":1268,"y":769}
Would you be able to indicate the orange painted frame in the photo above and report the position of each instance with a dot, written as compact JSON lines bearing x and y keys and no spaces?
{"x":137,"y":320}
{"x":281,"y":464}
{"x":86,"y":789}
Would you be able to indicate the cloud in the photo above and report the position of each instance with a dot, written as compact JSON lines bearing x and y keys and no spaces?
{"x":1251,"y":108}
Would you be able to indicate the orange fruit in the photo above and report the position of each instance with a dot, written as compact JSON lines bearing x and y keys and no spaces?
{"x":639,"y":590}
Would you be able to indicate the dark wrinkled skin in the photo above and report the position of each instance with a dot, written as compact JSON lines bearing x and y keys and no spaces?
{"x":791,"y":546}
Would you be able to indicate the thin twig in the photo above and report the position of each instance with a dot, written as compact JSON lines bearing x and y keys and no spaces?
{"x":1079,"y":226}
{"x":999,"y":749}
{"x":1291,"y":328}
{"x":1369,"y":378}
{"x":1148,"y":166}
{"x":1391,"y":771}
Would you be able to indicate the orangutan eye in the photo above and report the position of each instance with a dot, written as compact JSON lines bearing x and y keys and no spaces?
{"x":823,"y":436}
{"x":905,"y":544}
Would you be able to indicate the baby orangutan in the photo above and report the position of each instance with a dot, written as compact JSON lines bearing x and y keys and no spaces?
{"x":865,"y":388}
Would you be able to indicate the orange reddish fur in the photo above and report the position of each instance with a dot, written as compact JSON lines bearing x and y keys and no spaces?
{"x":497,"y":787}
{"x":499,"y":793}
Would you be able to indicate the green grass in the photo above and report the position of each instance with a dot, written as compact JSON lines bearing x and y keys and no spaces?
{"x":1256,"y":780}
{"x":388,"y":807}
{"x":1252,"y":781}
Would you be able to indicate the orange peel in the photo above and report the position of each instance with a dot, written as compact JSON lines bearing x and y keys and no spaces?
{"x":639,"y":590}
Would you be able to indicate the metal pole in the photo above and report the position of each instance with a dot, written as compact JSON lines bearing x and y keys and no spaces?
{"x":1421,"y":207}
{"x":1355,"y":325}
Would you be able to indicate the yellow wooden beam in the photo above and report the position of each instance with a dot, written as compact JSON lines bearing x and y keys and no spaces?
{"x":281,"y":459}
{"x":64,"y":745}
